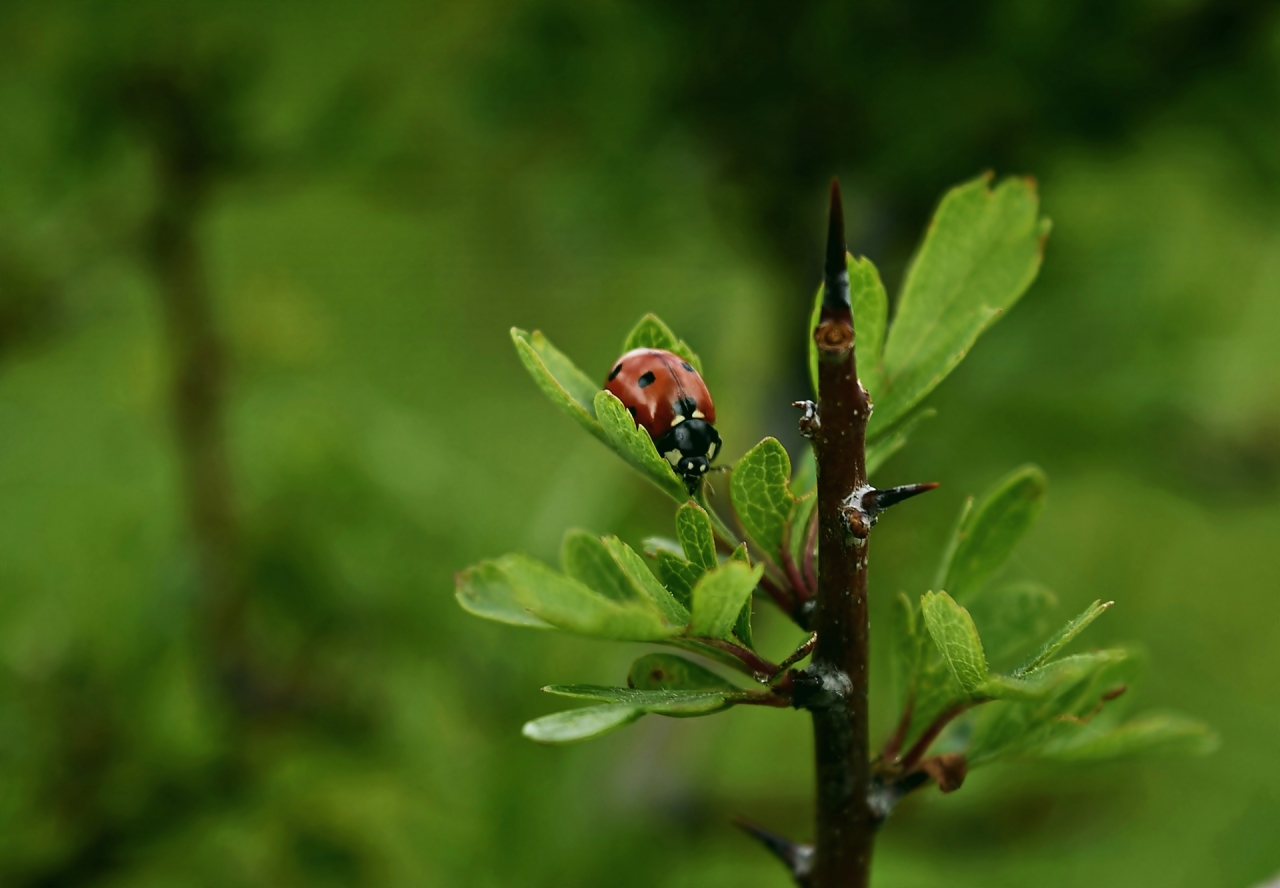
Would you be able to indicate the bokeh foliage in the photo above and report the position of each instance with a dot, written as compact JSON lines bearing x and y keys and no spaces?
{"x":409,"y":182}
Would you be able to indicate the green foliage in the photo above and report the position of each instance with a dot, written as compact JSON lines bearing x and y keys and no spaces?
{"x":761,"y":497}
{"x":986,"y":534}
{"x":498,"y":589}
{"x":650,"y":332}
{"x":719,"y":597}
{"x":669,"y":672}
{"x":596,"y":410}
{"x":981,"y":252}
{"x":693,"y":527}
{"x":1063,"y":638}
{"x":952,"y":630}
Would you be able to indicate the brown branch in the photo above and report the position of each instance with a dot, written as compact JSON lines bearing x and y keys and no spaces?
{"x":845,"y":823}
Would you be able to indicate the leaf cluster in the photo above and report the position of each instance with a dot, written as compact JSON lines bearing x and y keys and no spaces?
{"x":970,"y":674}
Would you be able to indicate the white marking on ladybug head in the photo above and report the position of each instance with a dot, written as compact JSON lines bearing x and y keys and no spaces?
{"x":673,"y":457}
{"x":711,"y":451}
{"x":702,"y":468}
{"x":675,"y":422}
{"x":698,"y":414}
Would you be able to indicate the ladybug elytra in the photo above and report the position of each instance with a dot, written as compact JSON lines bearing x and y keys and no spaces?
{"x":668,"y":399}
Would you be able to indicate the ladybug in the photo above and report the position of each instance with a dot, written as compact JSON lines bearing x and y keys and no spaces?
{"x":668,"y":399}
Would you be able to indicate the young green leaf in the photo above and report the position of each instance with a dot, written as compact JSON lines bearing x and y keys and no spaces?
{"x":799,"y":525}
{"x":907,"y":647}
{"x":760,"y":495}
{"x":650,"y":332}
{"x":561,"y":381}
{"x":635,"y":446}
{"x":693,"y":527}
{"x":645,"y":583}
{"x":719,"y":597}
{"x":570,"y":605}
{"x":1063,"y":638}
{"x":586,"y":558}
{"x":981,"y":252}
{"x":678,"y":575}
{"x":581,"y":724}
{"x":662,"y":700}
{"x":957,"y":639}
{"x":1011,"y":618}
{"x":1152,"y":732}
{"x":987,"y":534}
{"x":485,"y":590}
{"x":870,"y":312}
{"x":665,"y":672}
{"x":1048,"y":704}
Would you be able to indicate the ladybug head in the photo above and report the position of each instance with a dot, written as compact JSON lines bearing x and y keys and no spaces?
{"x":690,"y":446}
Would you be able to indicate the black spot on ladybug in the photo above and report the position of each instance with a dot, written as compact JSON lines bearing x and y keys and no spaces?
{"x":686,"y":406}
{"x":686,"y":366}
{"x":614,"y":374}
{"x":632,"y":411}
{"x":646,"y":380}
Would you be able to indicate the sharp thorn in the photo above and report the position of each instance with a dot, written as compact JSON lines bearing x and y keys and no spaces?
{"x":836,"y":277}
{"x":883,"y":499}
{"x":797,"y":858}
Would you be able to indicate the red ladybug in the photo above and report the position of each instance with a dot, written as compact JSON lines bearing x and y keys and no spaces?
{"x":668,"y":399}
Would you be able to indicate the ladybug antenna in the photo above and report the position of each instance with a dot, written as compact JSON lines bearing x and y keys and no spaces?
{"x":836,"y":289}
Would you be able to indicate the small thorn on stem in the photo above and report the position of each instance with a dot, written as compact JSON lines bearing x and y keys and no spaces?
{"x":894,"y":495}
{"x":862,"y":508}
{"x":797,"y":858}
{"x":810,"y":422}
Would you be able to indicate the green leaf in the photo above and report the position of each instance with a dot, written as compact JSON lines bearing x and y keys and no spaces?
{"x":675,"y":703}
{"x":643,"y":580}
{"x":560,"y":601}
{"x":648,"y":700}
{"x":654,"y":545}
{"x":678,"y":575}
{"x":799,"y":525}
{"x":957,"y":638}
{"x":650,"y":332}
{"x":1152,"y":732}
{"x":886,"y":446}
{"x":760,"y":495}
{"x":635,"y":446}
{"x":987,"y":534}
{"x":908,"y":647}
{"x":981,"y":252}
{"x":581,"y":724}
{"x":693,"y":527}
{"x":870,"y":311}
{"x":1063,"y":638}
{"x":585,"y":558}
{"x":1011,"y":618}
{"x":561,"y":381}
{"x":485,"y":590}
{"x":719,"y":597}
{"x":1049,"y":704}
{"x":654,"y":672}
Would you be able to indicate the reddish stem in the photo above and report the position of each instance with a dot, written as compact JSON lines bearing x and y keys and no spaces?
{"x":810,"y":554}
{"x":921,"y":746}
{"x":757,"y":663}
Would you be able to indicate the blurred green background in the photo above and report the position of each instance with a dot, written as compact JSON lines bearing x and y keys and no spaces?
{"x":285,"y":693}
